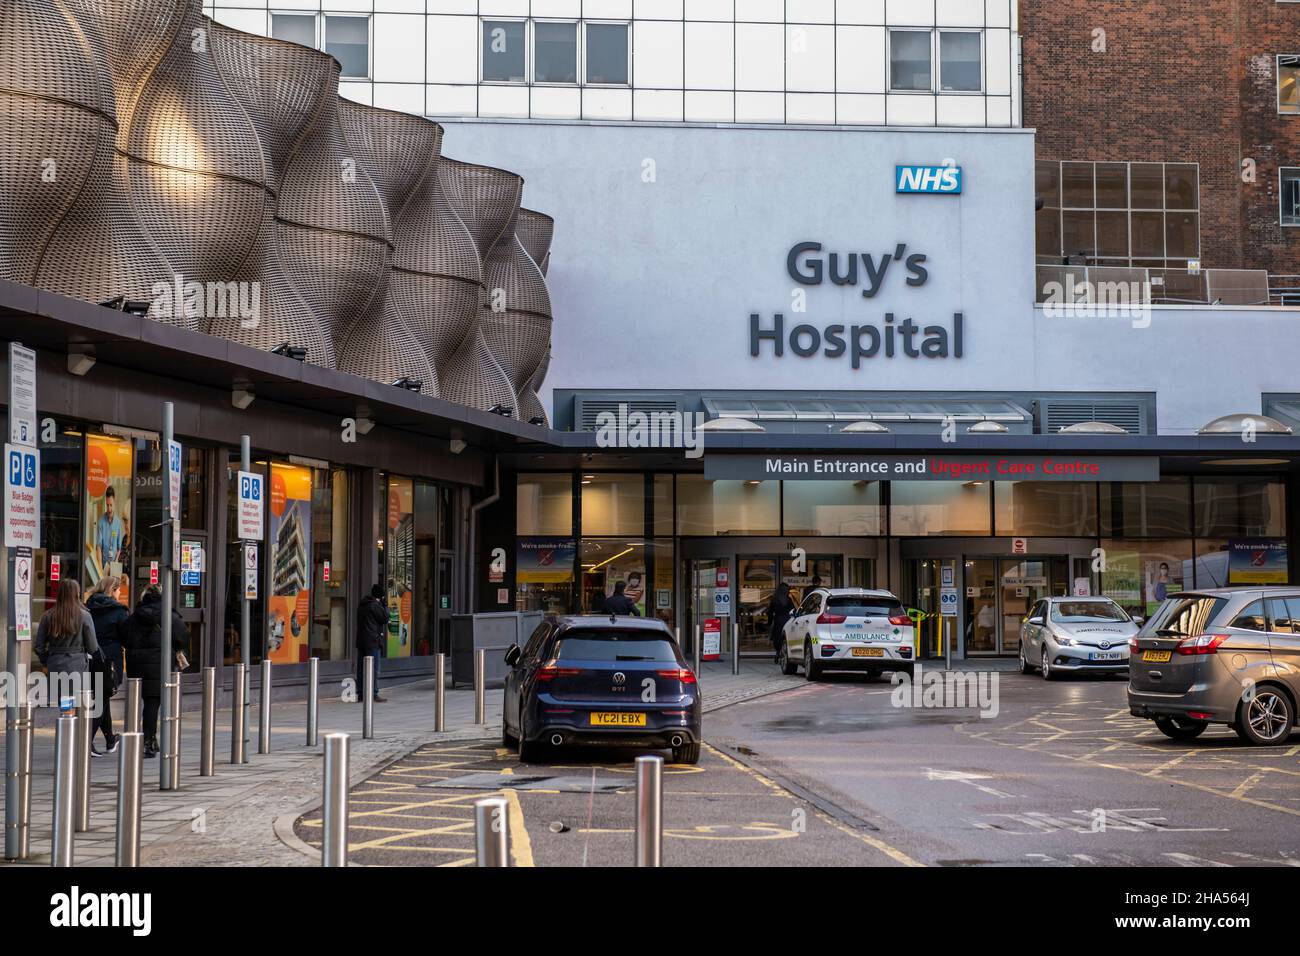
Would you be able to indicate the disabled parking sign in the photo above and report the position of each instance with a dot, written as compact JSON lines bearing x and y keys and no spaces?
{"x":22,"y":497}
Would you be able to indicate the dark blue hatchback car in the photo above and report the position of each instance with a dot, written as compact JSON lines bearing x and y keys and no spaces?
{"x":595,"y":679}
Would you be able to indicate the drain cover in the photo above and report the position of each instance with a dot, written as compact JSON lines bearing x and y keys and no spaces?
{"x":524,"y":781}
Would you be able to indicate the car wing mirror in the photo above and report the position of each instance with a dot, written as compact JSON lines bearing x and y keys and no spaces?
{"x":513,"y":654}
{"x":1036,"y":620}
{"x":1139,"y":621}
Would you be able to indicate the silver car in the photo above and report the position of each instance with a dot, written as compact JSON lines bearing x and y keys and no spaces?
{"x":1076,"y":634}
{"x":1222,"y":656}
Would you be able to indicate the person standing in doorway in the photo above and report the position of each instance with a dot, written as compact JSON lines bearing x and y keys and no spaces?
{"x":619,"y":603}
{"x":779,"y":610}
{"x":372,"y":632}
{"x":143,"y":646}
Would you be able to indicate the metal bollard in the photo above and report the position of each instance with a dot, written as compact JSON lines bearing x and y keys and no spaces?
{"x":237,"y":715}
{"x":131,"y":723}
{"x":85,"y":730}
{"x":491,"y":832}
{"x":440,"y":688}
{"x":480,"y":686}
{"x":334,"y":845}
{"x":313,"y":699}
{"x":368,"y":697}
{"x":264,"y":710}
{"x":65,"y":773}
{"x":130,"y":772}
{"x":735,"y":648}
{"x":18,"y":786}
{"x":173,"y":766}
{"x":649,"y":811}
{"x":208,"y":729}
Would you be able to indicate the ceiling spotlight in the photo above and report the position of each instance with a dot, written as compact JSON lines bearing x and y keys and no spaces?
{"x":290,"y":351}
{"x":537,"y":420}
{"x":364,"y":425}
{"x":79,"y":363}
{"x":241,"y":398}
{"x":408,"y":383}
{"x":121,"y":303}
{"x":457,"y":445}
{"x":503,"y":410}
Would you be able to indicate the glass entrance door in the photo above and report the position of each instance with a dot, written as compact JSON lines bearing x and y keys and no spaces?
{"x":755,"y":586}
{"x":981,"y":606}
{"x":1022,"y":581}
{"x":708,"y":600}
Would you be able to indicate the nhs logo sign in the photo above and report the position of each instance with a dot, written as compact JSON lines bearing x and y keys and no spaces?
{"x":928,"y":179}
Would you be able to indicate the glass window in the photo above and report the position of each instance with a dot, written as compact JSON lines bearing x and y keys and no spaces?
{"x":347,"y":39}
{"x":1112,"y":235}
{"x":707,"y":507}
{"x":1290,"y":196}
{"x":663,"y":572}
{"x":851,"y":606}
{"x":328,"y":636}
{"x":555,"y":52}
{"x":194,"y":511}
{"x":1147,"y":508}
{"x":613,"y":504}
{"x":544,"y":504}
{"x":663,"y":504}
{"x":504,"y":59}
{"x":939,"y":508}
{"x":607,"y":60}
{"x":959,"y":62}
{"x":1147,"y":234}
{"x":544,"y":574}
{"x":832,"y":507}
{"x":1288,"y":84}
{"x":1079,"y":233}
{"x":1283,"y":619}
{"x":909,"y":60}
{"x":399,"y":565}
{"x":1241,"y":507}
{"x":297,"y":28}
{"x":61,"y":506}
{"x":1251,"y":617}
{"x":1182,"y":235}
{"x":1139,"y":574}
{"x":1077,"y":185}
{"x":1112,"y":185}
{"x":589,"y":644}
{"x":1082,"y":612}
{"x":1182,"y":190}
{"x":235,"y":574}
{"x":608,"y":561}
{"x":1147,"y":185}
{"x":1047,"y":182}
{"x":1045,"y":508}
{"x":289,"y":557}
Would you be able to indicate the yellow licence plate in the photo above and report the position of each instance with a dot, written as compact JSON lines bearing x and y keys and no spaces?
{"x":868,"y":652}
{"x":607,"y":719}
{"x":1157,"y":657}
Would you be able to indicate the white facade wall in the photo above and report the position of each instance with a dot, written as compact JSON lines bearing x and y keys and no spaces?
{"x":823,"y":62}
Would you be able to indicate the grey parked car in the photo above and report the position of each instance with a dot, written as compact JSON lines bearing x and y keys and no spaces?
{"x":1076,"y":635}
{"x":1223,"y":656}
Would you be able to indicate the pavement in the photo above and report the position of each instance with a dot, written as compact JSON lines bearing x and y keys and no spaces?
{"x":244,"y":815}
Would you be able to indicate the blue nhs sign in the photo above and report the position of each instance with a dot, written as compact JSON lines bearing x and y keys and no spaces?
{"x":945,"y":180}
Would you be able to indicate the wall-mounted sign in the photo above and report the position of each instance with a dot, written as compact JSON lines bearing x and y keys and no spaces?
{"x":250,"y":572}
{"x":22,"y":617}
{"x":55,"y":568}
{"x":23,"y":571}
{"x":945,"y":576}
{"x":1082,"y":587}
{"x":22,"y":497}
{"x":153,"y":572}
{"x":943,"y":180}
{"x":1257,"y":561}
{"x":931,"y":467}
{"x":1019,"y":546}
{"x":174,"y":492}
{"x":22,"y":395}
{"x":948,"y":602}
{"x":250,"y":506}
{"x":722,"y":602}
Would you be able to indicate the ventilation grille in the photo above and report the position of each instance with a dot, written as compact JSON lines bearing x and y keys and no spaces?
{"x":1130,"y":416}
{"x":589,"y":409}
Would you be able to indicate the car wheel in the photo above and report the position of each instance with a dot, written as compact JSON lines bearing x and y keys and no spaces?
{"x":528,"y":752}
{"x":1025,"y":666}
{"x":783,"y":658}
{"x":687,"y":753}
{"x":810,"y":669}
{"x":1181,"y":728}
{"x":1267,"y":718}
{"x":1045,"y":666}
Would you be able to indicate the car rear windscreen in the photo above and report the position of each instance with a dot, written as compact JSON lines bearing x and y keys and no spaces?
{"x":1185,"y":616}
{"x":851,"y":606}
{"x":589,"y":644}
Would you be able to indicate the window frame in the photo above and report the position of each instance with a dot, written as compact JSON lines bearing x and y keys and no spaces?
{"x":936,"y":65}
{"x":1277,"y":81}
{"x":1281,"y":196}
{"x":937,"y":60}
{"x":889,"y":60}
{"x":584,"y":59}
{"x":313,"y":15}
{"x":322,"y":41}
{"x":530,"y":33}
{"x":483,"y":21}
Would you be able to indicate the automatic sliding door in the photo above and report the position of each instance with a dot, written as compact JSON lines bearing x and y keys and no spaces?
{"x":755,"y":587}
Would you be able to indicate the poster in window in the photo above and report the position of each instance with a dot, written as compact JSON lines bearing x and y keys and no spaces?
{"x":290,"y":564}
{"x":108,"y":507}
{"x":400,"y":560}
{"x":1257,"y":561}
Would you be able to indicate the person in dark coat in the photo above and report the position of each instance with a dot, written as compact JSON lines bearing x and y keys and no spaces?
{"x":779,"y":610}
{"x":620,"y":603}
{"x":143,"y":658}
{"x":372,"y":636}
{"x":65,"y":642}
{"x":110,"y":617}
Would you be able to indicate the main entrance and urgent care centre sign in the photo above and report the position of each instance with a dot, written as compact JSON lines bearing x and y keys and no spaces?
{"x":1046,"y":467}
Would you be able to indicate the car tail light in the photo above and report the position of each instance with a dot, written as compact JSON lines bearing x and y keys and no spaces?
{"x":682,"y":674}
{"x":826,"y":617}
{"x":1201,"y":644}
{"x":1133,"y":644}
{"x":899,"y":620}
{"x":675,"y":713}
{"x":1200,"y":715}
{"x":558,"y":710}
{"x":550,"y":672}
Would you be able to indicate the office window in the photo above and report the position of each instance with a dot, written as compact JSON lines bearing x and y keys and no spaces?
{"x":960,"y":68}
{"x":1290,"y":196}
{"x":297,"y":28}
{"x":909,"y":61}
{"x":607,"y":60}
{"x":555,"y":52}
{"x":1288,"y":84}
{"x":347,"y":39}
{"x":504,"y":58}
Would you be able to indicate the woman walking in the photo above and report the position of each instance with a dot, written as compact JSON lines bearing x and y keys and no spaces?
{"x":143,"y":647}
{"x":110,"y":616}
{"x":65,"y":640}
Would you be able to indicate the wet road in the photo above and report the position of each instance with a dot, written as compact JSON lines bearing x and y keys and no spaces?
{"x":1062,"y":775}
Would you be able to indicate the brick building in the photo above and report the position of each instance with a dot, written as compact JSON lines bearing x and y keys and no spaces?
{"x":1197,"y":87}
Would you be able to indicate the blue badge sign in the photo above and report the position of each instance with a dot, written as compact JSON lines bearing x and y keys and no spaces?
{"x":22,"y":497}
{"x":945,"y":180}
